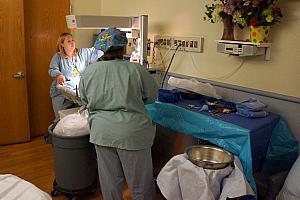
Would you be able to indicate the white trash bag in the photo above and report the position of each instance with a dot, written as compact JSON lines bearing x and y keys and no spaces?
{"x":73,"y":125}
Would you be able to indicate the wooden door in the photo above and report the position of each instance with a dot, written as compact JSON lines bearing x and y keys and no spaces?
{"x":43,"y":24}
{"x":14,"y":125}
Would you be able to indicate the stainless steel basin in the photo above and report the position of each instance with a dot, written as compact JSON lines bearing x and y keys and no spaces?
{"x":209,"y":157}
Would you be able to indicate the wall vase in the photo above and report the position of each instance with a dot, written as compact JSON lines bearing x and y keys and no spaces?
{"x":228,"y":31}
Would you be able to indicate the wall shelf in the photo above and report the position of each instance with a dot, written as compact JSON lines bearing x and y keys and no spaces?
{"x":241,"y":48}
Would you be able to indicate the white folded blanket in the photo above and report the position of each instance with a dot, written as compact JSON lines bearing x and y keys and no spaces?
{"x":15,"y":188}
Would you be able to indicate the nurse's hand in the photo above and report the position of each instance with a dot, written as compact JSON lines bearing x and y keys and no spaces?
{"x":60,"y":79}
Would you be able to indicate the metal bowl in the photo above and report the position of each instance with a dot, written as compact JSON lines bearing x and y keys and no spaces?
{"x":209,"y":157}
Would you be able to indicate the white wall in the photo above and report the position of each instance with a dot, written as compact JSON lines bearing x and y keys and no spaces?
{"x":83,"y":38}
{"x":185,"y":18}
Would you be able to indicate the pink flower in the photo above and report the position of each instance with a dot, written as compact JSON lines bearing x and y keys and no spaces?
{"x":245,"y":12}
{"x":254,"y":22}
{"x":255,"y":3}
{"x":229,"y":7}
{"x":276,"y":10}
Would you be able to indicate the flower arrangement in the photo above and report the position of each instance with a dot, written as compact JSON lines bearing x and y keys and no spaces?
{"x":244,"y":12}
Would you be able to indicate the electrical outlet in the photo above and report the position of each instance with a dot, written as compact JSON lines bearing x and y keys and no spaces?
{"x":162,"y":41}
{"x":192,"y":44}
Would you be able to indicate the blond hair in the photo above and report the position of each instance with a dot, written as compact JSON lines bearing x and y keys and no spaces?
{"x":59,"y":43}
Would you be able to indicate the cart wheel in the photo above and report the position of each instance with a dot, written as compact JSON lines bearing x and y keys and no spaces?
{"x":93,"y":191}
{"x":54,"y":193}
{"x":54,"y":183}
{"x":73,"y":198}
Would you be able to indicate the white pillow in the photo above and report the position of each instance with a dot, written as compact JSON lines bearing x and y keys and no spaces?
{"x":291,"y":185}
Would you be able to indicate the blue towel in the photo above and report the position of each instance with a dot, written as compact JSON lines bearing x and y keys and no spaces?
{"x":251,"y":114}
{"x":251,"y":104}
{"x":168,"y":96}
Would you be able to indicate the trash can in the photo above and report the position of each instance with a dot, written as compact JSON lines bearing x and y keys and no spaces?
{"x":75,"y":164}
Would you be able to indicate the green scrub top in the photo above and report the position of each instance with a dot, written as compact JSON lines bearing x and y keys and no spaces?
{"x":115,"y":93}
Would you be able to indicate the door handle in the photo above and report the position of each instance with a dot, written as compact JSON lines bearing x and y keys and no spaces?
{"x":19,"y":75}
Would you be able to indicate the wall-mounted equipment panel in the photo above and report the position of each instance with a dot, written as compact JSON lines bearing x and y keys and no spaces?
{"x":95,"y":22}
{"x":192,"y":44}
{"x":135,"y":27}
{"x":240,"y":48}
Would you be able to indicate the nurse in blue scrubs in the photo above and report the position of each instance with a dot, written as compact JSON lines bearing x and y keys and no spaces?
{"x":66,"y":66}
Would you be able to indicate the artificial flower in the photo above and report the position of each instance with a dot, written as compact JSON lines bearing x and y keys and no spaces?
{"x":244,"y":12}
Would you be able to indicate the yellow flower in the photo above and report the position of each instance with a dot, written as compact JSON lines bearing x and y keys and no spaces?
{"x":269,"y":18}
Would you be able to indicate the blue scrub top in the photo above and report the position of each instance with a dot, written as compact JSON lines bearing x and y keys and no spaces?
{"x":71,"y":68}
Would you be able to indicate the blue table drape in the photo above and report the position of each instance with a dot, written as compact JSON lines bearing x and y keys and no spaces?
{"x":239,"y":135}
